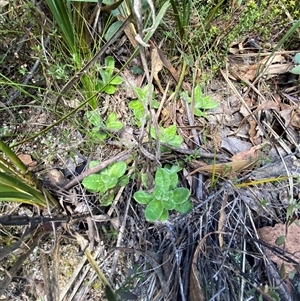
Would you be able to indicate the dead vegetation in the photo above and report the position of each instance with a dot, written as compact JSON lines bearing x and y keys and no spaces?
{"x":237,"y":145}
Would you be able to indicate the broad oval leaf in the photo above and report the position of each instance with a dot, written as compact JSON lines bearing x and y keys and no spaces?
{"x":158,"y":192}
{"x":142,"y":197}
{"x":112,"y":123}
{"x":108,"y":184}
{"x":107,"y":199}
{"x":109,"y":62}
{"x":123,"y":181}
{"x":168,"y":201}
{"x":180,"y":195}
{"x":113,"y":28}
{"x":136,"y":105}
{"x":154,"y":210}
{"x":164,"y":216}
{"x":93,"y":183}
{"x":209,"y":104}
{"x":110,"y":89}
{"x":162,"y":178}
{"x":117,"y":169}
{"x":296,"y":70}
{"x":118,"y":80}
{"x":94,"y":117}
{"x":184,"y":207}
{"x":280,"y":240}
{"x":297,"y":59}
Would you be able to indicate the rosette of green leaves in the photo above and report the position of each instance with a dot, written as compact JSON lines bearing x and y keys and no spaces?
{"x":108,"y":81}
{"x":138,"y":105}
{"x":100,"y":129}
{"x":201,"y":102}
{"x":106,"y":181}
{"x":165,"y":196}
{"x":167,"y":135}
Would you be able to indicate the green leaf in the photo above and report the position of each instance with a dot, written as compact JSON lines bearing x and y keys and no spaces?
{"x":110,"y":62}
{"x":123,"y":181}
{"x":158,"y":192}
{"x":168,"y":201}
{"x":162,"y":179}
{"x":113,"y":28}
{"x":94,"y":117}
{"x":154,"y":210}
{"x":117,"y":169}
{"x":107,"y":183}
{"x":96,"y":136}
{"x":105,"y":75}
{"x":112,"y":123}
{"x":184,"y":207}
{"x":296,"y":70}
{"x":173,"y":168}
{"x":110,"y":89}
{"x":176,"y":141}
{"x":199,"y":113}
{"x":209,"y":104}
{"x":155,"y":104}
{"x":167,"y":135}
{"x":92,"y":183}
{"x":197,"y":94}
{"x":170,"y":132}
{"x":280,"y":240}
{"x":181,"y":195}
{"x":297,"y":59}
{"x":94,"y":163}
{"x":136,"y":104}
{"x":141,"y":93}
{"x":136,"y":70}
{"x":118,"y":80}
{"x":164,"y":216}
{"x":107,"y":199}
{"x":142,"y":197}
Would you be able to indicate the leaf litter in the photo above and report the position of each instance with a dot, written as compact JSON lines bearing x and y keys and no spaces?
{"x":255,"y":131}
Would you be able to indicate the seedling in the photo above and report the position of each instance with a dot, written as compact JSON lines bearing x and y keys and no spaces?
{"x":165,"y":196}
{"x":201,"y":102}
{"x":167,"y":135}
{"x":107,"y":77}
{"x":105,"y":181}
{"x":138,"y":105}
{"x":100,"y":130}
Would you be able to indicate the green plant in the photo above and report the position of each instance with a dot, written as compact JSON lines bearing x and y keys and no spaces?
{"x":201,"y":102}
{"x":104,"y":181}
{"x":182,"y":14}
{"x":100,"y":130}
{"x":165,"y":196}
{"x":138,"y":105}
{"x":167,"y":135}
{"x":296,"y":69}
{"x":18,"y":184}
{"x":108,"y":80}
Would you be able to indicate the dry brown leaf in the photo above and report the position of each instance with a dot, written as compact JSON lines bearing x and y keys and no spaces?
{"x":196,"y":293}
{"x":156,"y":66}
{"x":224,"y":169}
{"x":286,"y":114}
{"x":277,"y":65}
{"x":222,"y":219}
{"x":249,"y":155}
{"x":252,"y":131}
{"x":27,"y":160}
{"x":295,"y":122}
